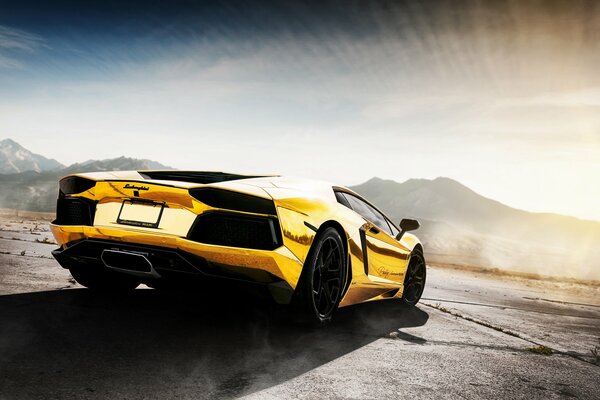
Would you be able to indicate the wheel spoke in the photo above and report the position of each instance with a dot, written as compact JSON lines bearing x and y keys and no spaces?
{"x":317,"y":294}
{"x":317,"y":278}
{"x":414,"y":281}
{"x":414,"y":271}
{"x":328,"y":258}
{"x":319,"y":264}
{"x":331,"y":274}
{"x":326,"y":292}
{"x":334,"y":294}
{"x":327,"y":276}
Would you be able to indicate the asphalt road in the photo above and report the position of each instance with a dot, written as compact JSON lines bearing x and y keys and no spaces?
{"x":469,"y":338}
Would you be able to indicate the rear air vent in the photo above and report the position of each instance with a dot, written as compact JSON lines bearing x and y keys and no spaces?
{"x":75,"y":211}
{"x":237,"y":230}
{"x":233,"y":201}
{"x":195,"y":176}
{"x":75,"y":184}
{"x":162,"y":259}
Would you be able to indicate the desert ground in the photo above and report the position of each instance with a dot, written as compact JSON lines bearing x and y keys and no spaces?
{"x":474,"y":335}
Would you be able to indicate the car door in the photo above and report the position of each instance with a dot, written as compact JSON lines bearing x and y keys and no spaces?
{"x":384,"y":256}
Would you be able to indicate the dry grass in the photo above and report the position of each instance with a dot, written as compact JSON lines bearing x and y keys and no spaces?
{"x":543,"y":350}
{"x":596,"y":352}
{"x":45,"y":241}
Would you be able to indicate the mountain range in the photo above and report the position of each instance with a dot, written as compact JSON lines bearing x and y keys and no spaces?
{"x":29,"y":181}
{"x":14,"y":158}
{"x":458,"y":226}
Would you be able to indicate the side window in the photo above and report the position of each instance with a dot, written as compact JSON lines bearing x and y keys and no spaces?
{"x":395,"y":231}
{"x":342,"y":199}
{"x":368,"y":212}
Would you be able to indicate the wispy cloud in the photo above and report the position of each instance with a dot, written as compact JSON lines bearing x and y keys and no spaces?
{"x":588,"y":97}
{"x":481,"y":92}
{"x":14,"y":41}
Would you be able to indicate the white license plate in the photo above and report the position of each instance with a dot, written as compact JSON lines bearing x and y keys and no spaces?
{"x":145,"y":214}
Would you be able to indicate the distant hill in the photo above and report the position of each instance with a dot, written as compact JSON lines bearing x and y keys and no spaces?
{"x":458,"y":225}
{"x":114,"y":164}
{"x":37,"y":191}
{"x":444,"y":199}
{"x":462,"y":227}
{"x":14,"y":158}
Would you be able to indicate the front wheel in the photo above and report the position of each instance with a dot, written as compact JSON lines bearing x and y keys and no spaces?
{"x":414,"y":281}
{"x":323,"y":278}
{"x":103,"y":279}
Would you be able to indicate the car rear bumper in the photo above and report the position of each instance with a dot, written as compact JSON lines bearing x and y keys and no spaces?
{"x":153,"y":257}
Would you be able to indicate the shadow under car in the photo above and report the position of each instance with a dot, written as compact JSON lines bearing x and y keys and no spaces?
{"x":155,"y":344}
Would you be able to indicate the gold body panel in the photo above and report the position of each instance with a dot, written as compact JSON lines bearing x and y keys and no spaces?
{"x":301,"y":205}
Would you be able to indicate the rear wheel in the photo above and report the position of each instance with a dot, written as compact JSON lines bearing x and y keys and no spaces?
{"x":323,"y":278}
{"x":103,"y":279}
{"x":414,"y":281}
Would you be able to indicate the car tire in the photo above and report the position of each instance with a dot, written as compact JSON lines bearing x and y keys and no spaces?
{"x":102,"y":279}
{"x":323,"y":279}
{"x":414,"y":281}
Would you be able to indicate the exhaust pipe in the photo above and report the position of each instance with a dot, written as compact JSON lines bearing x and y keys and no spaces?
{"x":136,"y":264}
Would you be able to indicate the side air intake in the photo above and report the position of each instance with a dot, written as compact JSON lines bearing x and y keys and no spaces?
{"x":237,"y":230}
{"x":233,"y":201}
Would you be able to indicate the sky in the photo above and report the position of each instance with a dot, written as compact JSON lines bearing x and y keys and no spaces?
{"x":501,"y":96}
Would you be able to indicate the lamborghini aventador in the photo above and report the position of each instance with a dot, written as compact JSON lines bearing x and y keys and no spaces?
{"x":310,"y":244}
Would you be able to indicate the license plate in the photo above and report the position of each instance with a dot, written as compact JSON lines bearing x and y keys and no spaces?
{"x":136,"y":213}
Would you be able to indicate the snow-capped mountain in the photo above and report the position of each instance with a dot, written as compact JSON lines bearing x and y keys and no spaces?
{"x":30,"y":182}
{"x":14,"y":158}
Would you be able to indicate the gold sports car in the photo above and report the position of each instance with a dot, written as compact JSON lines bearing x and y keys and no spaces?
{"x":306,"y":243}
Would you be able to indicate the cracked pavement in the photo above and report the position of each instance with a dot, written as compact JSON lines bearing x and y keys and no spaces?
{"x":470,"y":338}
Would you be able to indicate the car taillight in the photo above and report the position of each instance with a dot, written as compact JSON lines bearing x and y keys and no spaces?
{"x":74,"y":185}
{"x":229,"y":200}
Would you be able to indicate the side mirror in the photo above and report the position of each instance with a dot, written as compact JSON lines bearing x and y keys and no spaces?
{"x":406,"y":225}
{"x":409,"y":224}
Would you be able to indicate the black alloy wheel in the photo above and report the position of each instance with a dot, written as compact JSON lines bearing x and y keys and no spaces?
{"x":323,"y":278}
{"x":414,"y":281}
